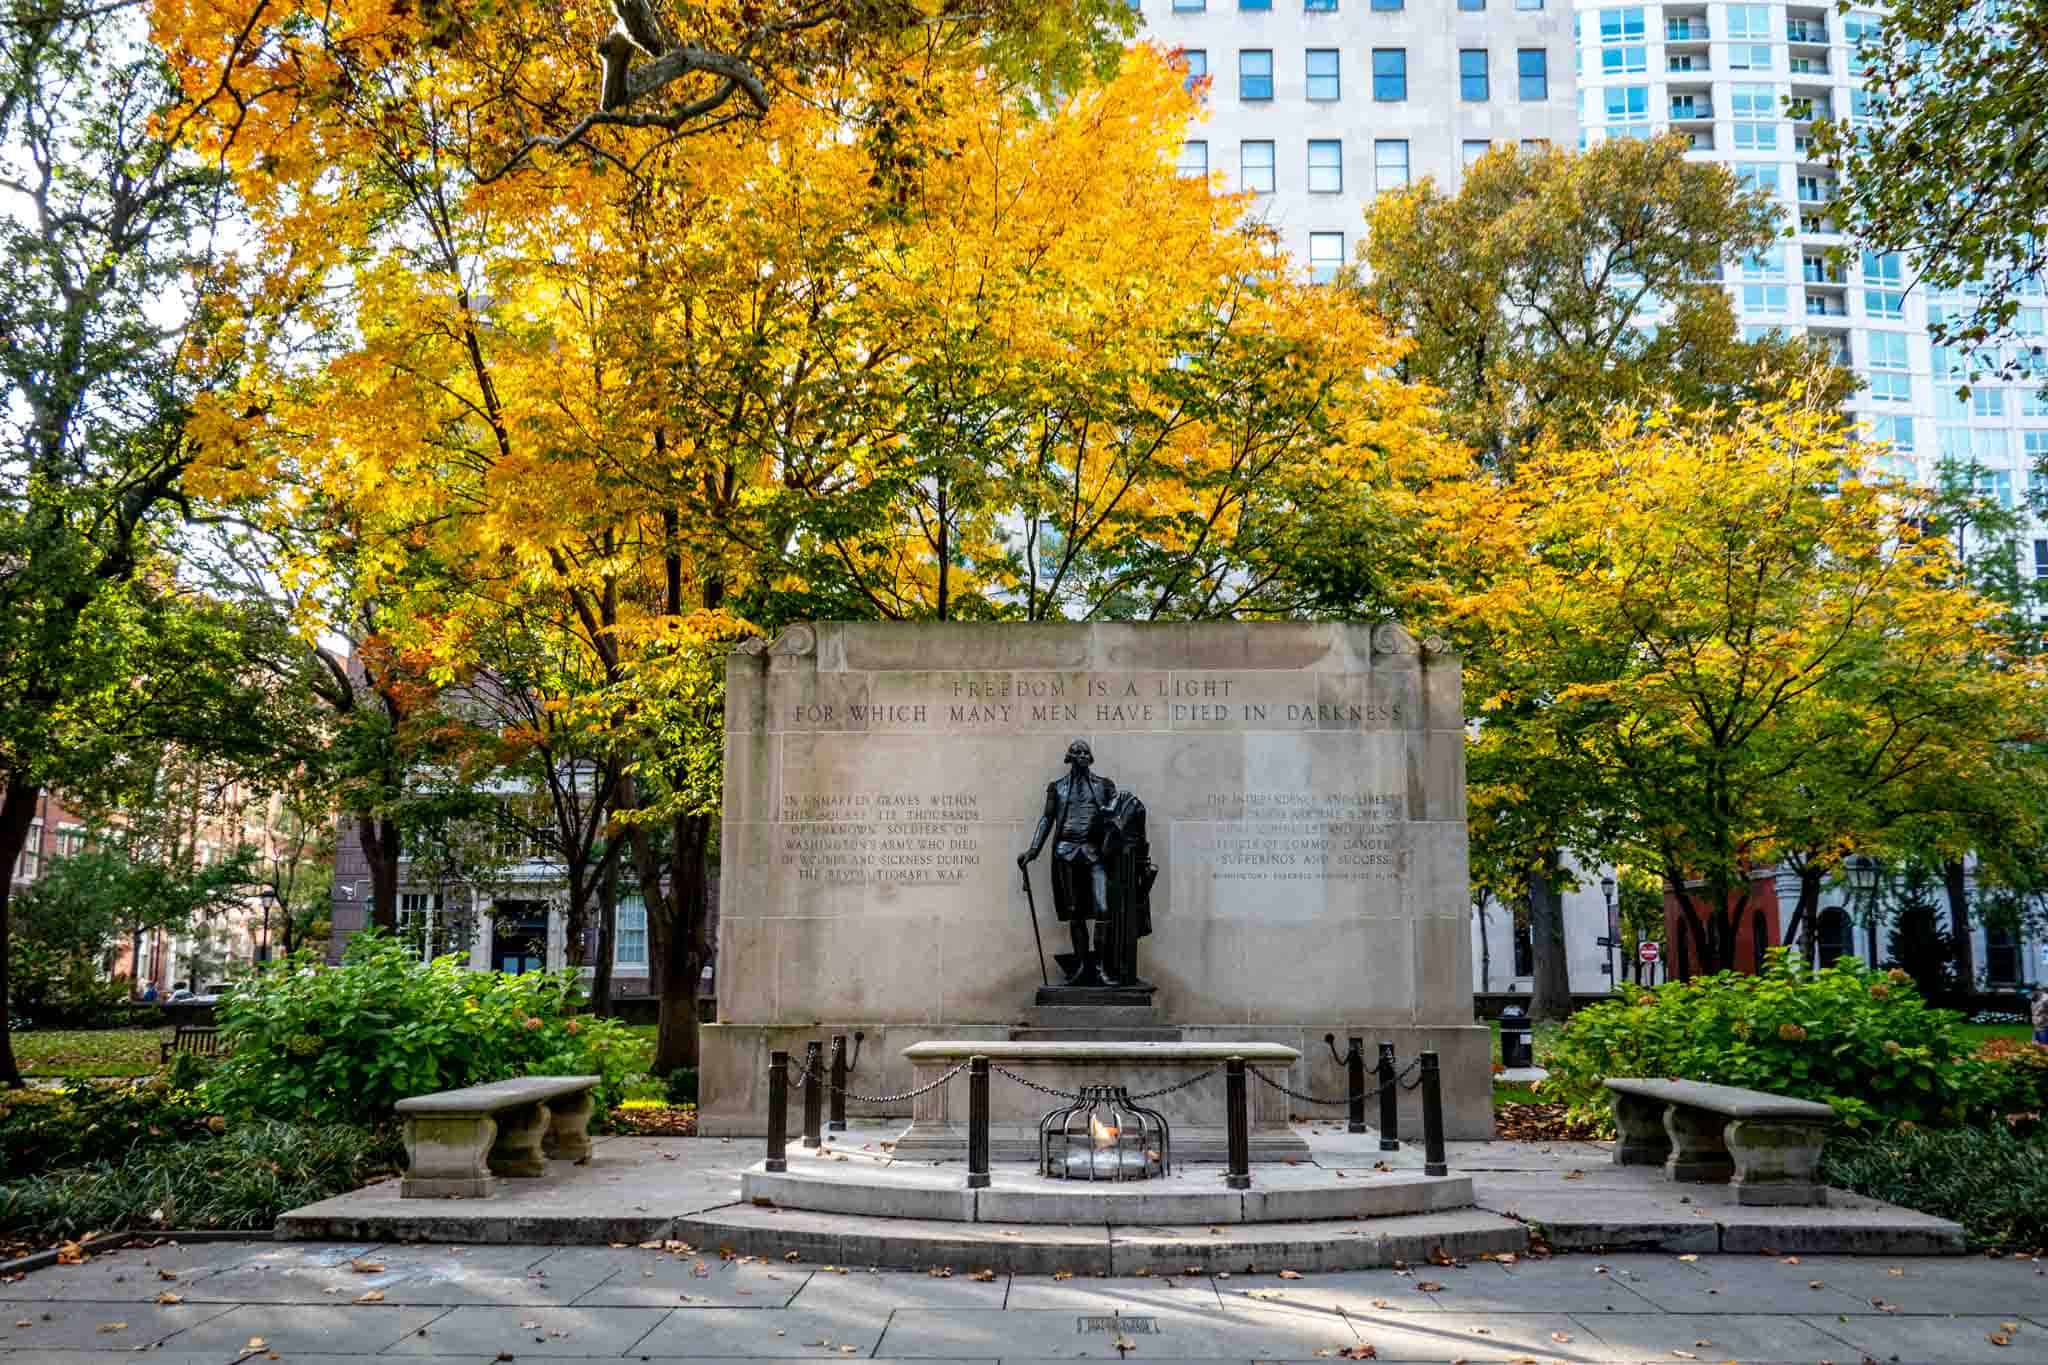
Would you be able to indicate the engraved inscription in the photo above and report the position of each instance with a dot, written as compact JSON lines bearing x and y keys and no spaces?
{"x":1033,"y":702}
{"x":1256,"y":836}
{"x":900,"y":838}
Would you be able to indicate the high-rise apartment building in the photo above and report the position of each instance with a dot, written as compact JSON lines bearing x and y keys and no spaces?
{"x":1317,"y":105}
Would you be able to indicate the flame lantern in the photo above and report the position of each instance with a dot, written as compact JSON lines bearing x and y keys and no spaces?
{"x":1104,"y":1135}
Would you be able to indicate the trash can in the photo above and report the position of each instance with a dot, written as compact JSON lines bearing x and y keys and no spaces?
{"x":1517,"y":1045}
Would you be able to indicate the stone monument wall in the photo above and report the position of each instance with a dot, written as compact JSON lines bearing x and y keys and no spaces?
{"x":1306,"y":798}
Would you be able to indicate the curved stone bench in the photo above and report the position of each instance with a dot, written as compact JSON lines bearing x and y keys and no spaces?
{"x":458,"y":1141}
{"x":1766,"y":1146}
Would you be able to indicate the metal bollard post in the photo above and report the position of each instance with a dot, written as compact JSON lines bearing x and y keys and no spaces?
{"x":977,"y":1123}
{"x":1354,"y":1072}
{"x":778,"y":1111}
{"x":1390,"y":1118}
{"x":1238,"y":1120}
{"x":814,"y":1091}
{"x":836,"y":1123}
{"x":1433,"y":1162}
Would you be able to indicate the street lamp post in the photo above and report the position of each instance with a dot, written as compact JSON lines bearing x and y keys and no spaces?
{"x":1863,"y":878}
{"x":1613,"y":928}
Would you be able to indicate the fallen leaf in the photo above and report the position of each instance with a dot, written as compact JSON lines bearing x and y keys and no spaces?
{"x":1790,"y":1260}
{"x":113,"y":1327}
{"x":70,"y":1254}
{"x":1896,"y":1271}
{"x":1290,"y":1274}
{"x":370,"y":1296}
{"x":1264,"y":1294}
{"x":2008,"y":1327}
{"x":1685,"y":1355}
{"x":1362,"y":1351}
{"x":940,"y":1272}
{"x":1560,"y":1336}
{"x":167,"y":1297}
{"x":984,"y":1275}
{"x":1816,"y":1284}
{"x":1574,"y":1175}
{"x":792,"y":1256}
{"x":1063,"y":1274}
{"x":529,"y":1326}
{"x":1429,"y":1286}
{"x":362,"y":1267}
{"x":1689,"y":1256}
{"x":23,"y":1322}
{"x":1998,"y":1338}
{"x":167,"y":1274}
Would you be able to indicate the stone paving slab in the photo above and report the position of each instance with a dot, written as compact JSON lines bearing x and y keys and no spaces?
{"x":1178,"y":1333}
{"x":1744,"y":1337}
{"x":363,"y":1329}
{"x":792,"y":1333}
{"x":831,"y":1292}
{"x":79,"y":1324}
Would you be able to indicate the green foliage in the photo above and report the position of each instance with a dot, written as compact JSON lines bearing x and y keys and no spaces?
{"x":54,"y":988}
{"x":1864,"y":1042}
{"x":343,"y":1044}
{"x":1920,"y":947}
{"x":1991,"y":1180}
{"x":682,"y":1085}
{"x":242,"y":1178}
{"x":84,"y":1123}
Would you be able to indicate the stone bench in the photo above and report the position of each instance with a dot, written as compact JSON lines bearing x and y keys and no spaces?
{"x":458,"y":1141}
{"x":1767,"y":1147}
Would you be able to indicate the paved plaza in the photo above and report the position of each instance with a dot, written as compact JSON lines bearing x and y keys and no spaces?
{"x":213,"y":1303}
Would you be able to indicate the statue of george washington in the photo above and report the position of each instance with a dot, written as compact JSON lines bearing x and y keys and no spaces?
{"x":1102,"y":871}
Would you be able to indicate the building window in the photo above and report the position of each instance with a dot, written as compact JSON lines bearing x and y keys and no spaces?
{"x":1255,"y":4}
{"x":417,"y":911}
{"x":1621,"y":26}
{"x":29,"y":865}
{"x":1325,"y":256}
{"x":1750,"y":21}
{"x":1472,"y":74}
{"x":1197,"y":62}
{"x":1389,"y":74}
{"x":1757,"y":175}
{"x":1983,"y":403}
{"x":1532,"y":70}
{"x":1859,"y":31}
{"x":1390,"y":163}
{"x":1472,"y":6}
{"x":1624,"y":61}
{"x":1189,"y":6}
{"x":2041,"y":559}
{"x":1194,"y":160}
{"x":1755,"y":111}
{"x":1325,"y":167}
{"x":1994,"y":484}
{"x":1473,"y":148}
{"x":1255,"y":166}
{"x":1893,"y":428}
{"x":1322,"y":6}
{"x":629,"y":933}
{"x":1384,"y":6}
{"x":1626,"y":104}
{"x":1890,"y":368}
{"x":1255,"y":74}
{"x":70,"y":840}
{"x":1749,"y":57}
{"x":1323,"y":79}
{"x":1528,"y":5}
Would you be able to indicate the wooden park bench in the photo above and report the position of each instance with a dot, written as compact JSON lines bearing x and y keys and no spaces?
{"x":1766,"y":1146}
{"x":200,"y":1042}
{"x":458,"y":1141}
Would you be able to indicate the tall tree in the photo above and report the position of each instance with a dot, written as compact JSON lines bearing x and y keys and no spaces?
{"x":105,"y":339}
{"x":1711,"y":613}
{"x":1943,"y":154}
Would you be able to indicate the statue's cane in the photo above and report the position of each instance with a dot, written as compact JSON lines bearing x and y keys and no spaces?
{"x":1032,"y":905}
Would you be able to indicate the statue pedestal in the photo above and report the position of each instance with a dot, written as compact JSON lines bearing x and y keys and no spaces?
{"x":1127,"y":997}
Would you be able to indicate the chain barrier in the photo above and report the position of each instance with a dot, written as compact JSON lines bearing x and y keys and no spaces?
{"x":1034,"y":1085}
{"x":1323,"y":1103}
{"x":1178,"y":1085}
{"x":906,"y":1095}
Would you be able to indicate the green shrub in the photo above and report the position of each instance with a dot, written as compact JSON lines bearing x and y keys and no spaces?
{"x":344,"y":1044}
{"x":53,"y":989}
{"x":1862,"y":1041}
{"x":1991,"y":1180}
{"x":243,"y":1178}
{"x":682,"y":1085}
{"x":2016,"y":1073}
{"x":85,"y":1122}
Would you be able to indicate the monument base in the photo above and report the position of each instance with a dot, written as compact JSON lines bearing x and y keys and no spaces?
{"x":1124,"y":997}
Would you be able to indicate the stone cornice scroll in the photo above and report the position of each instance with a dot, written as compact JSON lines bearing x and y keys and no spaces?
{"x":796,"y":639}
{"x":1388,"y":637}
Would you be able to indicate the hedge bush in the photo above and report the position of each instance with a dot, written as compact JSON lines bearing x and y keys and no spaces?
{"x":1864,"y":1042}
{"x":343,"y":1044}
{"x":243,"y":1178}
{"x":86,"y":1122}
{"x":1991,"y":1180}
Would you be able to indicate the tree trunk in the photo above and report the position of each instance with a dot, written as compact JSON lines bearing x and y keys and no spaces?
{"x":1485,"y":952}
{"x":607,"y":940}
{"x":381,"y":847}
{"x":681,"y":959}
{"x":1804,"y":929}
{"x":1953,"y":881}
{"x":1550,"y":992}
{"x":17,"y":810}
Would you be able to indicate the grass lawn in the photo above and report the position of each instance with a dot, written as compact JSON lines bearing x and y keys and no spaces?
{"x":1984,"y":1033}
{"x":72,"y":1053}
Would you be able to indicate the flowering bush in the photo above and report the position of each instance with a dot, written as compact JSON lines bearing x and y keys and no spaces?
{"x":344,"y":1044}
{"x":1862,"y":1041}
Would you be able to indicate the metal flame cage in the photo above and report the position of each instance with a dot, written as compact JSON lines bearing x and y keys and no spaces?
{"x":1104,"y":1134}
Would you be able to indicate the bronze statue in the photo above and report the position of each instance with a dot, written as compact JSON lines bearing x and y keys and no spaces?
{"x":1102,"y":871}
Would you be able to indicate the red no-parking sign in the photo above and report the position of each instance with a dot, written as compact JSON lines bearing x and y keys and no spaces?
{"x":1647,"y":952}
